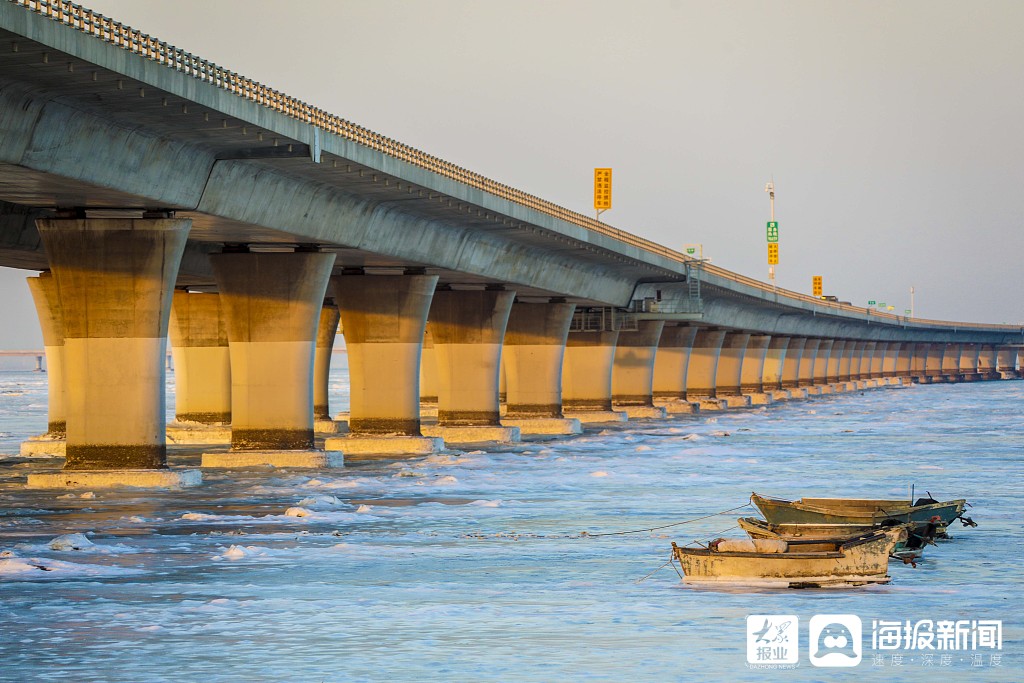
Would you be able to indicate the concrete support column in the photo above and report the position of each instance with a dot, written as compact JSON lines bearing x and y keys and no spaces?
{"x":730,"y":368}
{"x":534,"y":349}
{"x":272,"y":302}
{"x":918,"y":360}
{"x":633,"y":370}
{"x":202,"y":361}
{"x":702,"y":369}
{"x":863,"y":355}
{"x":834,"y":372}
{"x":202,"y":370}
{"x":774,"y":363}
{"x":969,"y":362}
{"x":587,"y":376}
{"x":951,"y":362}
{"x":752,"y":365}
{"x":987,"y":361}
{"x":846,"y":360}
{"x":808,"y":363}
{"x":384,"y":319}
{"x":114,"y":281}
{"x":902,"y":358}
{"x":326,"y":331}
{"x":793,"y":357}
{"x":823,"y":362}
{"x":428,"y":369}
{"x":1006,"y":362}
{"x":672,"y":361}
{"x":877,"y":351}
{"x":933,"y":361}
{"x":752,"y":370}
{"x":51,"y":322}
{"x":468,"y":328}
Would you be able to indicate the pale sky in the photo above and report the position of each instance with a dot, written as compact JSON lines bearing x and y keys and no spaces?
{"x":892,"y":129}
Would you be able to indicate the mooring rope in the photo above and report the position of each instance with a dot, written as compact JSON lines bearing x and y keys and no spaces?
{"x":666,"y":526}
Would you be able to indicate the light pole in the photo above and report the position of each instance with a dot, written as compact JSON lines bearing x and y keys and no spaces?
{"x":770,"y":189}
{"x":911,"y":302}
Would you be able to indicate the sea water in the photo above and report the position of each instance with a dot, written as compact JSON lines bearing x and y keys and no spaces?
{"x":530,"y":562}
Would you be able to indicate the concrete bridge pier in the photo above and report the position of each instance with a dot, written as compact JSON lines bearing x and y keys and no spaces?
{"x":671,"y":364}
{"x":114,"y":281}
{"x":384,"y":320}
{"x":919,"y":362}
{"x":202,"y":370}
{"x":825,"y":366}
{"x":796,"y":349}
{"x":272,"y":303}
{"x":876,"y":369}
{"x":933,"y":363}
{"x":467,"y":328}
{"x":969,"y":362}
{"x":534,"y":350}
{"x":47,"y":302}
{"x":987,"y":362}
{"x":846,"y":361}
{"x":587,"y":376}
{"x":951,"y":362}
{"x":702,"y":370}
{"x":1006,"y":362}
{"x":833,"y":368}
{"x":806,"y":367}
{"x":896,"y":367}
{"x":428,"y":376}
{"x":775,"y":366}
{"x":730,"y":368}
{"x":860,"y":371}
{"x":752,"y":371}
{"x":326,"y":332}
{"x":633,"y":371}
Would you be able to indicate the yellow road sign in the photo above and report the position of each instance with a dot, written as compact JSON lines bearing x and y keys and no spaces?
{"x":773,"y":254}
{"x":816,"y":285}
{"x":602,"y":188}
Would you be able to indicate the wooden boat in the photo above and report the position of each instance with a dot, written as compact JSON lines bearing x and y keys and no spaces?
{"x":857,"y":511}
{"x":803,"y":563}
{"x":908,"y":550}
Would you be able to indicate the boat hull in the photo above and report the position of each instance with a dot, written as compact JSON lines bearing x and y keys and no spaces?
{"x":820,"y":536}
{"x":853,"y":511}
{"x":854,"y":563}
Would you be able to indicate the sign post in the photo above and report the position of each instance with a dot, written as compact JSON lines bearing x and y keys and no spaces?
{"x":773,"y":234}
{"x":602,"y":190}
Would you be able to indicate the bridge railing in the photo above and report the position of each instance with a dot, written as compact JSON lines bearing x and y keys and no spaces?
{"x":137,"y":42}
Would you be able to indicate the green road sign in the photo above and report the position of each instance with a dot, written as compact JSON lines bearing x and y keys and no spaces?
{"x":906,"y":311}
{"x":691,"y":250}
{"x":773,"y":231}
{"x":871,"y":303}
{"x":881,"y":305}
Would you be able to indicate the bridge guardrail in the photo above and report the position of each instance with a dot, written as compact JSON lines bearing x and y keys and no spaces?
{"x":139,"y":43}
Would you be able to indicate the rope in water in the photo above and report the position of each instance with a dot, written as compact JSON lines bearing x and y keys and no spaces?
{"x":666,"y":526}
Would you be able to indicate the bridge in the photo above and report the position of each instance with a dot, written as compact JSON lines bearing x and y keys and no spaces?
{"x":164,"y":197}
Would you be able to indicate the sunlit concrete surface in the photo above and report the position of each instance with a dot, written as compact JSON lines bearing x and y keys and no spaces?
{"x":106,"y":479}
{"x":269,"y":458}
